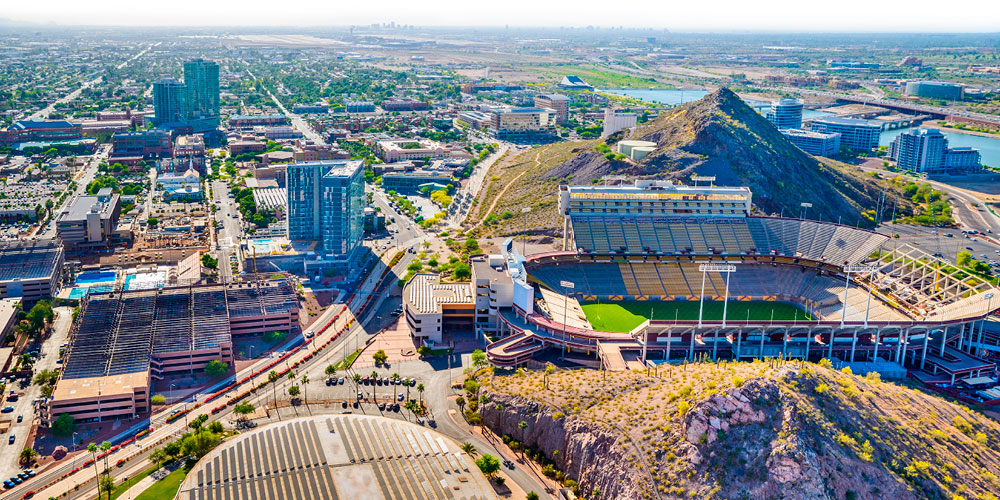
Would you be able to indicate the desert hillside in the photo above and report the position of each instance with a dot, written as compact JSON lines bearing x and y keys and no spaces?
{"x":747,"y":430}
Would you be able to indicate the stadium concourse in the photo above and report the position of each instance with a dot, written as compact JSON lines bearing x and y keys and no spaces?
{"x":795,"y":288}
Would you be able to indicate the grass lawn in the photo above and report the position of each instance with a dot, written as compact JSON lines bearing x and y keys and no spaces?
{"x":166,"y":488}
{"x":624,"y":316}
{"x":348,"y":361}
{"x":121,"y":488}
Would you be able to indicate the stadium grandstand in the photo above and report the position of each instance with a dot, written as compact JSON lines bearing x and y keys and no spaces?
{"x":124,"y":341}
{"x":655,"y":272}
{"x":30,"y":269}
{"x":337,"y":457}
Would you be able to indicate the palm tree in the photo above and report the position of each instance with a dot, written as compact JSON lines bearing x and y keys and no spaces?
{"x":395,"y":377}
{"x":357,"y":380}
{"x":92,"y":448}
{"x":105,"y":447}
{"x":522,"y":425}
{"x":272,"y":377}
{"x":305,"y":395}
{"x":469,"y":448}
{"x":420,"y":389}
{"x":157,"y":456}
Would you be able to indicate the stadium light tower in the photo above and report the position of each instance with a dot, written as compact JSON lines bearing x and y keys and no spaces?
{"x":705,"y":269}
{"x":571,"y":286}
{"x":805,"y":207}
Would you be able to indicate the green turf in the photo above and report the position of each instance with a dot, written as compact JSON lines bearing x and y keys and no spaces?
{"x":624,"y":316}
{"x":166,"y":488}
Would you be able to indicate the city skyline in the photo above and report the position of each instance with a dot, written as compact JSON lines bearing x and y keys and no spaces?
{"x":727,"y":16}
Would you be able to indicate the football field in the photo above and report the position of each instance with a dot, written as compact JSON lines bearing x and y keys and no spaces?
{"x":624,"y":316}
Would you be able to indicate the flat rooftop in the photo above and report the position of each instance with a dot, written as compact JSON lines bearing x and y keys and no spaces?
{"x":78,"y":210}
{"x":425,"y":293}
{"x":25,"y":260}
{"x":340,"y":457}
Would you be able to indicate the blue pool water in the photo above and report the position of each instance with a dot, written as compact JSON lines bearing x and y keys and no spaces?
{"x":95,"y":277}
{"x":82,"y":291}
{"x":262,"y":246}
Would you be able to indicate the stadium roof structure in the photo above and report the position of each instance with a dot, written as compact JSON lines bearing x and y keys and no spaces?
{"x":337,"y":457}
{"x":426,"y":293}
{"x":28,"y":259}
{"x":574,"y":82}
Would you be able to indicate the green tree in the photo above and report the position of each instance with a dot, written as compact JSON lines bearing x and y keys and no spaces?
{"x":420,"y":389}
{"x":64,"y":425}
{"x":380,"y":357}
{"x":531,"y":496}
{"x":461,"y":271}
{"x":272,"y":377}
{"x":488,"y":465}
{"x":305,"y":387}
{"x":523,"y":426}
{"x":105,"y":448}
{"x":244,"y":409}
{"x":158,"y":399}
{"x":158,"y":456}
{"x":216,"y":368}
{"x":27,"y":456}
{"x":963,"y":259}
{"x":172,"y":449}
{"x":294,"y":391}
{"x":216,"y":427}
{"x":549,"y":370}
{"x":469,"y":449}
{"x":209,"y":262}
{"x":108,"y":484}
{"x":152,"y":221}
{"x":479,"y":358}
{"x":197,"y":423}
{"x":330,"y":370}
{"x":92,"y":449}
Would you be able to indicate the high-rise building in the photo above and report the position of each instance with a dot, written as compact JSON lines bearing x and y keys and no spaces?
{"x":170,"y":101}
{"x":325,"y":204}
{"x":856,"y":134}
{"x":786,"y":113}
{"x":926,"y":150}
{"x":615,"y":120}
{"x":202,"y":80}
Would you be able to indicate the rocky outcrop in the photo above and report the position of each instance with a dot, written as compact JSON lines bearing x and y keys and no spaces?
{"x":587,"y":452}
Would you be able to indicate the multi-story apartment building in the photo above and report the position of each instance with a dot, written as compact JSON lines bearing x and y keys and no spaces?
{"x":926,"y":150}
{"x":90,"y":222}
{"x":325,"y":204}
{"x":814,"y":143}
{"x":170,"y":104}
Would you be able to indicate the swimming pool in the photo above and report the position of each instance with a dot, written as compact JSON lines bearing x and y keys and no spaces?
{"x":82,"y":291}
{"x":92,"y":277}
{"x":145,"y":281}
{"x":262,"y":246}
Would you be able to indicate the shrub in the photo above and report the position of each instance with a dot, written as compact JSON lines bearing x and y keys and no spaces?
{"x":822,"y":389}
{"x":682,"y":408}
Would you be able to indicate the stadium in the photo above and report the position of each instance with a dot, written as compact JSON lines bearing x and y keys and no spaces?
{"x":648,"y":271}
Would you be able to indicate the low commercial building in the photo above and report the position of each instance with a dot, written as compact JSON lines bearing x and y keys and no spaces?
{"x":412,"y":181}
{"x":30,"y":269}
{"x":250,"y":121}
{"x":190,"y":146}
{"x":557,"y":102}
{"x":814,"y":143}
{"x":404,"y":104}
{"x":433,"y":308}
{"x":89,"y":222}
{"x":936,"y":90}
{"x":359,"y":106}
{"x":40,"y":131}
{"x":856,"y":134}
{"x":523,"y":124}
{"x":393,"y":150}
{"x":239,"y":147}
{"x":142,"y":144}
{"x":476,"y":119}
{"x":281,"y":133}
{"x":123,"y":342}
{"x":305,"y":150}
{"x":316,"y":108}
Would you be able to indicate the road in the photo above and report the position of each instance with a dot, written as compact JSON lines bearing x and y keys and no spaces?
{"x":228,"y":236}
{"x":475,"y":184}
{"x":24,"y":406}
{"x":297,"y":121}
{"x":86,"y":176}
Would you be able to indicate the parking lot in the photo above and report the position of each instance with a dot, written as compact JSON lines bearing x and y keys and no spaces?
{"x":944,"y":242}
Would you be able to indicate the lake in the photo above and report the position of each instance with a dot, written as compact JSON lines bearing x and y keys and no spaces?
{"x":674,"y":97}
{"x":989,"y":147}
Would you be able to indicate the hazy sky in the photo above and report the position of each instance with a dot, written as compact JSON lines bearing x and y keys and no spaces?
{"x":675,"y":15}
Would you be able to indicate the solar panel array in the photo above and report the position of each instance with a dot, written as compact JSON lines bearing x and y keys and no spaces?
{"x":30,"y":259}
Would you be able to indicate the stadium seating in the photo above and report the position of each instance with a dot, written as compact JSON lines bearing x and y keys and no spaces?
{"x":812,"y":240}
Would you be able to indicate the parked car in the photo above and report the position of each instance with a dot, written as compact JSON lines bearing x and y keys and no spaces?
{"x":20,"y":418}
{"x":340,"y":380}
{"x":399,"y":397}
{"x":7,"y":409}
{"x":10,"y":440}
{"x":7,"y":483}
